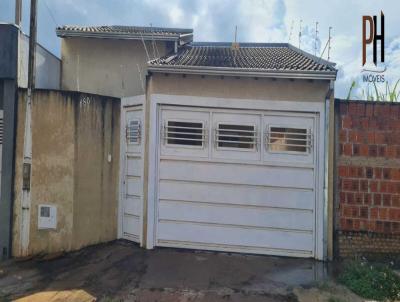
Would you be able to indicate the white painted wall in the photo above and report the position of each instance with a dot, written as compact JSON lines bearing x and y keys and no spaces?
{"x":48,"y":66}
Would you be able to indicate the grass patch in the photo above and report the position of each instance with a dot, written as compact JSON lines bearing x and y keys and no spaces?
{"x":377,"y":282}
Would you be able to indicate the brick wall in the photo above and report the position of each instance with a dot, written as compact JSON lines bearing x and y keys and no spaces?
{"x":368,"y":178}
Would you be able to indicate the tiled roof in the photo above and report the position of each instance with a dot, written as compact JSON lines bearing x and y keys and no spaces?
{"x":121,"y":32}
{"x":262,"y":57}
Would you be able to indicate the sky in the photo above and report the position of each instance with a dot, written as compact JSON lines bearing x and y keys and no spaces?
{"x":256,"y":20}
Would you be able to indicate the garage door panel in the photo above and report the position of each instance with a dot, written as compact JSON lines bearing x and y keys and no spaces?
{"x":260,"y":217}
{"x":250,"y":237}
{"x":133,"y":206}
{"x":217,"y":193}
{"x":252,"y":189}
{"x":134,"y":166}
{"x":134,"y":185}
{"x":234,"y":174}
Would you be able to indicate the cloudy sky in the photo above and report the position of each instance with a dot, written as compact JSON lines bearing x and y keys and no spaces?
{"x":257,"y":21}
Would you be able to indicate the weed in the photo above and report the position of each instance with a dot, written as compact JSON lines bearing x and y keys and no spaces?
{"x":369,"y":281}
{"x":387,"y":95}
{"x":335,"y":299}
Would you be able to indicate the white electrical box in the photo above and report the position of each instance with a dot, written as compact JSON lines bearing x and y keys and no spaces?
{"x":47,"y":217}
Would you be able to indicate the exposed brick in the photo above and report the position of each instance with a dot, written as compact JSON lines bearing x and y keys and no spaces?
{"x":396,"y":201}
{"x":364,"y":185}
{"x":343,"y":107}
{"x":346,"y":122}
{"x":373,"y":186}
{"x":377,"y":173}
{"x":370,"y":137}
{"x":346,"y":184}
{"x":373,"y":151}
{"x":364,"y":212}
{"x":364,"y":150}
{"x":343,"y":136}
{"x":383,"y":213}
{"x":343,"y":171}
{"x":359,"y":198}
{"x":369,"y":172}
{"x":369,"y":189}
{"x":377,"y":200}
{"x":369,"y":110}
{"x":347,"y":149}
{"x":386,"y":173}
{"x":386,"y":200}
{"x":391,"y":151}
{"x":368,"y":198}
{"x":353,"y":110}
{"x":381,"y":151}
{"x":374,"y":213}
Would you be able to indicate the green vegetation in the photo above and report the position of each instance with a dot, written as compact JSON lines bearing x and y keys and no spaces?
{"x":335,"y":299}
{"x":369,"y":281}
{"x":390,"y":94}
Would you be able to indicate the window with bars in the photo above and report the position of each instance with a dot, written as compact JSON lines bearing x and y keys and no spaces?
{"x":133,"y":132}
{"x":236,"y":136}
{"x":284,"y":139}
{"x":184,"y":133}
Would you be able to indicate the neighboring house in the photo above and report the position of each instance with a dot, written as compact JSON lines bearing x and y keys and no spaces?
{"x":13,"y":75}
{"x":234,"y":141}
{"x":111,"y":60}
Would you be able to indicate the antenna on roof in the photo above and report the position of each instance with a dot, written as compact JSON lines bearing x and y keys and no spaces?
{"x":329,"y":42}
{"x":235,"y":44}
{"x":291,"y":31}
{"x":300,"y":33}
{"x":316,"y":38}
{"x":153,"y":43}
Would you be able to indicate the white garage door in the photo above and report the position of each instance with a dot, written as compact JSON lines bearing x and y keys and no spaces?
{"x":237,"y":181}
{"x":132,"y":187}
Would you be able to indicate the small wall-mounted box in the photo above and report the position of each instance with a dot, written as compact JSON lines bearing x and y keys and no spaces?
{"x":47,"y":217}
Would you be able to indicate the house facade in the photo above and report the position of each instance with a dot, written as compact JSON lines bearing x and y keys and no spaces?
{"x":215,"y":146}
{"x":235,"y":152}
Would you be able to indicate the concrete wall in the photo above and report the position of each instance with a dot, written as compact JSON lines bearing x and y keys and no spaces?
{"x":107,"y":66}
{"x":368,"y":178}
{"x":48,"y":66}
{"x":73,"y":137}
{"x":242,"y":88}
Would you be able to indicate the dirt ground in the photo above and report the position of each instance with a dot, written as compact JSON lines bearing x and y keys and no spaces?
{"x":121,"y":271}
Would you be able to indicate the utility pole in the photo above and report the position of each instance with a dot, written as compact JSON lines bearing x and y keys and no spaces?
{"x":27,"y":159}
{"x":18,"y":12}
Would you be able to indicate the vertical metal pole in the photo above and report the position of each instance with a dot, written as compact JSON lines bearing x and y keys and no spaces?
{"x":18,"y":12}
{"x":27,"y":159}
{"x":300,"y":29}
{"x":329,"y":43}
{"x":316,"y":37}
